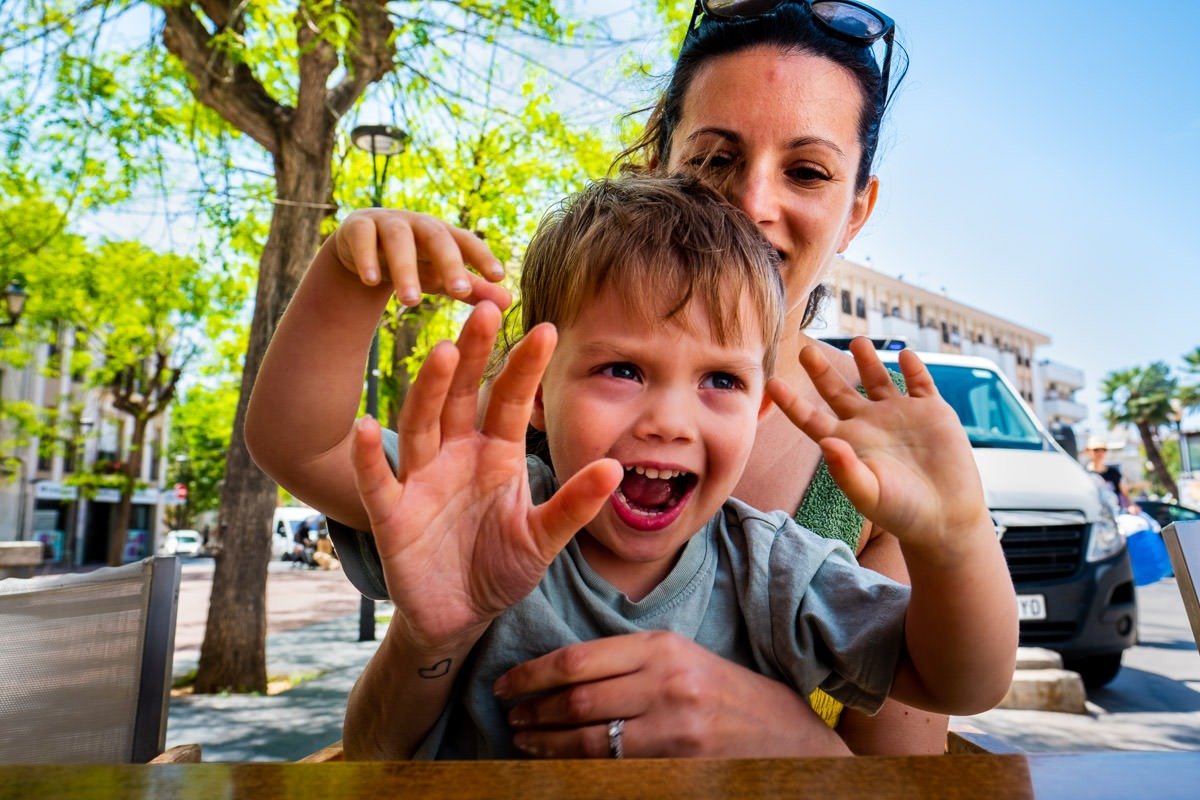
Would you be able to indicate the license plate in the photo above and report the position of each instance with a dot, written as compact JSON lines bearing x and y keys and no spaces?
{"x":1031,"y":606}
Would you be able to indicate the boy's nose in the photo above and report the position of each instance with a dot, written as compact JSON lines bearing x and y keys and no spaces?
{"x":666,"y":416}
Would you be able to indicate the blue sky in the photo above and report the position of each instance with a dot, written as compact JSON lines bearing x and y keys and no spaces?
{"x":1042,"y":163}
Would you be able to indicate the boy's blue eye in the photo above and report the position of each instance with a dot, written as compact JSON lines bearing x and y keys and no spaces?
{"x":621,"y":371}
{"x":722,"y":381}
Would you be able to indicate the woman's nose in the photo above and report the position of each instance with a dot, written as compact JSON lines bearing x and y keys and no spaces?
{"x":756,"y":194}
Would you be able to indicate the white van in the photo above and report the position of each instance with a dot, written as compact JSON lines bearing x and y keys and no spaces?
{"x":283,"y":527}
{"x":1067,"y":560}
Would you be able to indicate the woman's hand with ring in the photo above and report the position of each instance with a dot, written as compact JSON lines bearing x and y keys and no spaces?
{"x":676,"y":698}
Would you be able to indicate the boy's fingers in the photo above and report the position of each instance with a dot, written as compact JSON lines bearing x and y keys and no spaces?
{"x":871,"y":371}
{"x":361,"y":245}
{"x":511,"y":401}
{"x":419,"y":428}
{"x":476,"y":253}
{"x":815,"y":423}
{"x":852,"y":475}
{"x":400,"y":253}
{"x":474,"y":348}
{"x":377,"y":486}
{"x":438,"y":246}
{"x":482,"y":289}
{"x":916,"y":375}
{"x":832,"y":387}
{"x":574,"y":505}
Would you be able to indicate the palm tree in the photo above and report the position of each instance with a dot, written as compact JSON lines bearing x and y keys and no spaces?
{"x":1189,"y":396}
{"x":1141,"y":396}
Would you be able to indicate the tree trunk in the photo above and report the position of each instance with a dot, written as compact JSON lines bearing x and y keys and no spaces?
{"x":407,"y":327}
{"x":119,"y":532}
{"x":233,"y":654}
{"x":1154,"y":455}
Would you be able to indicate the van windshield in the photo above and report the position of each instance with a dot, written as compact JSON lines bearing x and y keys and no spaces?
{"x":987,"y":408}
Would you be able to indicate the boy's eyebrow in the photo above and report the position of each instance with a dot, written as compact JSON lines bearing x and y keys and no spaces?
{"x":607,"y":348}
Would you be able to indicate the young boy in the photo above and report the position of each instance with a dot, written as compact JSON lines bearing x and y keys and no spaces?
{"x":666,"y":306}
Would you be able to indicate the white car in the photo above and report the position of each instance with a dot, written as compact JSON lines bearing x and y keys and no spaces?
{"x":181,"y":543}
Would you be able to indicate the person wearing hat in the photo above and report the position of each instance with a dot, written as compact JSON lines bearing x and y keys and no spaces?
{"x":1107,"y":474}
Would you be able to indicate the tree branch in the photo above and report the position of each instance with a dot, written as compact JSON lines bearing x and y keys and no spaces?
{"x":369,"y":57}
{"x":229,"y":89}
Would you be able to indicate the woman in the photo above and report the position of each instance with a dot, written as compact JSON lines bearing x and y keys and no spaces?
{"x":782,"y":109}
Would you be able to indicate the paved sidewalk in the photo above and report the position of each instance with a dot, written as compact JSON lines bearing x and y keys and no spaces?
{"x":312,"y":624}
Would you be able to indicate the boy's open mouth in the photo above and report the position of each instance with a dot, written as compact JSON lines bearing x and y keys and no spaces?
{"x":650,"y":498}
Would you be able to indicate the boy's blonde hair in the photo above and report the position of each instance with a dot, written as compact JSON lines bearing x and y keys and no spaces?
{"x":663,"y":243}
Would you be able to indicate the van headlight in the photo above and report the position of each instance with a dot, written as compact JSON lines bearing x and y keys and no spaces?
{"x":1105,"y":540}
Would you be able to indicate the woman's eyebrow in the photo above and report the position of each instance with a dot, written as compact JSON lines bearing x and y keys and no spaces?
{"x":805,"y":141}
{"x":793,"y":144}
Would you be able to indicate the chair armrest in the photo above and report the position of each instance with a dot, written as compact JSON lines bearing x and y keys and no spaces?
{"x":328,"y":753}
{"x":179,"y":754}
{"x":963,"y":739}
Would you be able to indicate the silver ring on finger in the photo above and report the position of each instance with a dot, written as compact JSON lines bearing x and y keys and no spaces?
{"x":616,"y":746}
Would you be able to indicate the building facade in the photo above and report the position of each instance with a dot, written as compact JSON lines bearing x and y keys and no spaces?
{"x":38,"y":501}
{"x":866,"y":302}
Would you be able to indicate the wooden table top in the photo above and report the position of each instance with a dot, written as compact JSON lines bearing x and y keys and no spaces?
{"x":1159,"y":775}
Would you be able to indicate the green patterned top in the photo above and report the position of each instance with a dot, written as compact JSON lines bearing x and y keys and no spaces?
{"x":825,"y":509}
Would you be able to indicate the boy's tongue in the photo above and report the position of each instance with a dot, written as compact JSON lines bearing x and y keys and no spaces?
{"x":646,"y":492}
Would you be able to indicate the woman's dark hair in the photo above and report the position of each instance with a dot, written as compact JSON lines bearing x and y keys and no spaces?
{"x":790,"y":29}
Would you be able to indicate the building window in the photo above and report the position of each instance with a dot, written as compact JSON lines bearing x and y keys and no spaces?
{"x":945,"y":333}
{"x":860,"y":308}
{"x":920,"y":315}
{"x":846,"y":301}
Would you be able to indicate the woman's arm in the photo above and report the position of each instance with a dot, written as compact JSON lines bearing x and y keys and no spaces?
{"x":897,"y":729}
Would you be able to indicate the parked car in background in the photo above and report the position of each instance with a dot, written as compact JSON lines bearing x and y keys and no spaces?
{"x":286,"y":522}
{"x":1166,"y":513}
{"x":1068,"y":562}
{"x":181,"y":543}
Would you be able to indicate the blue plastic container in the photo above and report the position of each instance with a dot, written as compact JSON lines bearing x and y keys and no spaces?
{"x":1149,"y":558}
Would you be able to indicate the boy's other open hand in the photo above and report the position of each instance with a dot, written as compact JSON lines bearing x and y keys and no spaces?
{"x":904,"y":460}
{"x":418,"y":253}
{"x":458,"y":535}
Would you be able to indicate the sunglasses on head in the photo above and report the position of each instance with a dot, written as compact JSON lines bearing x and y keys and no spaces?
{"x":848,"y":20}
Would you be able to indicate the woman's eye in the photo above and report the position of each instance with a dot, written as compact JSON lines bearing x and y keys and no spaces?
{"x":621,"y":371}
{"x":711,"y":161}
{"x":807,"y":174}
{"x":722,"y":381}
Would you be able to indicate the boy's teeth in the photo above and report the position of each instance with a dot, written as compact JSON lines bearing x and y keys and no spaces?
{"x":658,"y":474}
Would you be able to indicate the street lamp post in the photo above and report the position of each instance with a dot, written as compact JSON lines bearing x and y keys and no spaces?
{"x":1177,"y":415}
{"x":386,"y":141}
{"x":14,"y":304}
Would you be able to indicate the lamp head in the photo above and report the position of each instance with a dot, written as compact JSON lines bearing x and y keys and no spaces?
{"x":380,"y":140}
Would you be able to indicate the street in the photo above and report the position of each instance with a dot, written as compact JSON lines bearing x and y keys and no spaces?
{"x":1153,"y":704}
{"x":296,"y":596}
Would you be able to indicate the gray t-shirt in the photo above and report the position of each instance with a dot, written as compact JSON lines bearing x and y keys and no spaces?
{"x":753,"y":587}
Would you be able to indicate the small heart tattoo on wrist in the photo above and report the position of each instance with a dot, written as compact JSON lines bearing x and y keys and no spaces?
{"x":436,"y":671}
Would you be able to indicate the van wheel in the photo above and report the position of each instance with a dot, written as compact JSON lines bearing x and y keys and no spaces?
{"x":1096,"y":671}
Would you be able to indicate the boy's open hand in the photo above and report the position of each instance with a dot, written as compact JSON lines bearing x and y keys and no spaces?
{"x":419,"y":253}
{"x":456,"y":530}
{"x":903,"y":460}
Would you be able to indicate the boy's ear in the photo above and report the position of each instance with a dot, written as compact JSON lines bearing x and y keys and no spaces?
{"x":765,"y":406}
{"x":538,"y":418}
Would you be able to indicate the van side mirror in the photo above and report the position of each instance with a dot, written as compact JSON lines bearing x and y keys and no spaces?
{"x":1065,"y":436}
